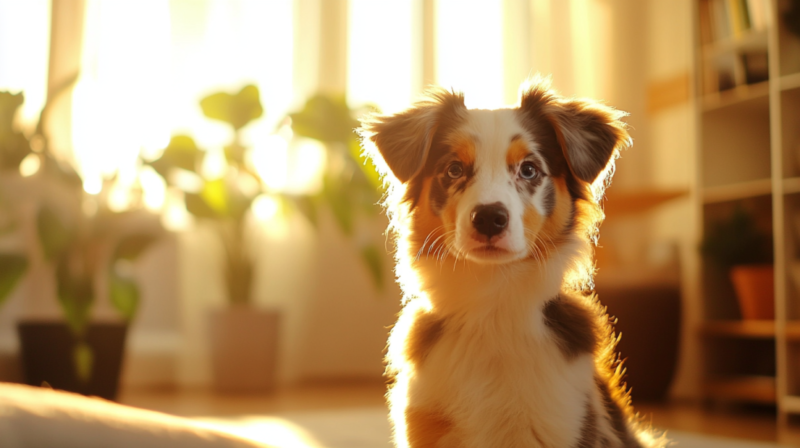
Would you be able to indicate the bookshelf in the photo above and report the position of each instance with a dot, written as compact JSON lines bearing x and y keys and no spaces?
{"x":747,"y":106}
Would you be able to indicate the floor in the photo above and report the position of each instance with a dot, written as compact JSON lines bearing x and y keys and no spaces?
{"x":746,"y":424}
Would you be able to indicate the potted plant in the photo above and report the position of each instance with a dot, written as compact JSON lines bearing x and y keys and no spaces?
{"x":86,"y":254}
{"x":244,"y":339}
{"x":739,"y":247}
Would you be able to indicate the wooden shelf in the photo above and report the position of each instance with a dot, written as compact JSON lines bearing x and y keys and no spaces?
{"x":749,"y":329}
{"x":741,"y":190}
{"x":736,"y":95}
{"x":620,"y":202}
{"x":790,"y":82}
{"x":748,"y":41}
{"x":791,"y":403}
{"x":791,"y":185}
{"x":754,"y":389}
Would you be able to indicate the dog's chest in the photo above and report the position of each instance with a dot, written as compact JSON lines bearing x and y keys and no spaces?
{"x":505,"y":382}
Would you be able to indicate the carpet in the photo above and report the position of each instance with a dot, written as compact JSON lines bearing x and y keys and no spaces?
{"x":369,"y":428}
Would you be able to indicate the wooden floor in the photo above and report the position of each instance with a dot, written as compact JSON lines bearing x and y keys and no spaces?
{"x":757,"y":424}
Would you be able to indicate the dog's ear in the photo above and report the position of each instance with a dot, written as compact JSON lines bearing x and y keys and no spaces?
{"x":589,"y":133}
{"x":404,"y":140}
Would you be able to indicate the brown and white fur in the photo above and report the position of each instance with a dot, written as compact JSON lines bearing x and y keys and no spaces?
{"x":494,"y":214}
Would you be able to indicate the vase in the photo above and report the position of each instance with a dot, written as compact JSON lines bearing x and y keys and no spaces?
{"x":244,"y":348}
{"x":755,"y":290}
{"x":47,"y":351}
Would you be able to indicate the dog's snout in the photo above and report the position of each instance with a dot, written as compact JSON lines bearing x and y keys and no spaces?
{"x":490,"y":219}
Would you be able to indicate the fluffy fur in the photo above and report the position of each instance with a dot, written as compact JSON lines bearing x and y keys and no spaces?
{"x":494,"y":214}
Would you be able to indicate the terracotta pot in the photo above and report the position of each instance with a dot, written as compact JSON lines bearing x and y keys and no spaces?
{"x":46,"y":349}
{"x":755,"y":289}
{"x":244,"y":347}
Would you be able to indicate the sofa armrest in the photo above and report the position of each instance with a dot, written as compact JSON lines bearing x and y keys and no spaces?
{"x":33,"y":417}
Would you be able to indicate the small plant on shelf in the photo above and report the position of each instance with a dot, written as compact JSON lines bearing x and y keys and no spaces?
{"x":738,"y":246}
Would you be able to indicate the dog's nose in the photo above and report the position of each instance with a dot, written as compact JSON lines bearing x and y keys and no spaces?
{"x":490,"y":219}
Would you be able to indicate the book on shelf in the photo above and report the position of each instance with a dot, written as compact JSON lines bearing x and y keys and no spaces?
{"x":727,"y":19}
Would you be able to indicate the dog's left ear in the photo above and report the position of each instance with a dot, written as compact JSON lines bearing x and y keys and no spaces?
{"x":589,"y":133}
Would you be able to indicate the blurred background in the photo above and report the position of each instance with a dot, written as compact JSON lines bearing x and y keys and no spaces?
{"x":181,"y":177}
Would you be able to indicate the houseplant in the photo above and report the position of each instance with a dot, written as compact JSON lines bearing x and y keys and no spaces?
{"x":84,"y":252}
{"x":243,"y":337}
{"x":350,"y":188}
{"x":739,"y":247}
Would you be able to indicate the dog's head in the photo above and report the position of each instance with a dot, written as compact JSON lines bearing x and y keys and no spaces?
{"x":495,"y":186}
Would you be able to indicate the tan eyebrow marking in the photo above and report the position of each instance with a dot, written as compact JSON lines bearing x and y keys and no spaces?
{"x":464,"y":148}
{"x":517,"y":151}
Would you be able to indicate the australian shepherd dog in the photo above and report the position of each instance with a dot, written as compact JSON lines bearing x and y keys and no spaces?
{"x":500,"y":342}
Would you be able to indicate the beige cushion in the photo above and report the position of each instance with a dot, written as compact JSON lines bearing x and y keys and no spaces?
{"x":33,"y":417}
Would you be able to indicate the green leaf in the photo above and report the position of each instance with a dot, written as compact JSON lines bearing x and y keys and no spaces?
{"x":12,"y":268}
{"x":366,"y":166}
{"x":340,"y":203}
{"x":83,"y":360}
{"x":197,"y":206}
{"x":371,"y":256}
{"x":215,"y":194}
{"x":237,"y":110}
{"x":124,"y":295}
{"x":75,"y":291}
{"x":325,"y":118}
{"x":182,"y":152}
{"x":54,"y":235}
{"x":737,"y":240}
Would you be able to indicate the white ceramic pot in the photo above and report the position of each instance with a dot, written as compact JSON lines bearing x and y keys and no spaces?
{"x":244,"y":348}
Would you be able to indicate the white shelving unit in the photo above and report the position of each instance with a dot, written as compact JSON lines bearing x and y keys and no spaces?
{"x":749,"y":156}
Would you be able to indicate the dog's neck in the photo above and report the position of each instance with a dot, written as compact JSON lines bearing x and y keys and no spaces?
{"x":463,"y":287}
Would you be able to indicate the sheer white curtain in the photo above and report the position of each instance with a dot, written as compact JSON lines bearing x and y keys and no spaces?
{"x":24,"y":46}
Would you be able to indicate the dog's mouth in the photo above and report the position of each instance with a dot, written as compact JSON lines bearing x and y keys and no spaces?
{"x":490,"y":253}
{"x":490,"y":249}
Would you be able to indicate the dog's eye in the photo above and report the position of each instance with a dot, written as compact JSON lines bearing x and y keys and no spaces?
{"x":455,"y":170}
{"x":528,"y":170}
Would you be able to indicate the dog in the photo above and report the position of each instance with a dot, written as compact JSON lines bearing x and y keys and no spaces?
{"x":494,"y":213}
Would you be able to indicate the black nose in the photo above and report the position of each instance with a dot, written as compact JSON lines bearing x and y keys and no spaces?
{"x":490,"y":219}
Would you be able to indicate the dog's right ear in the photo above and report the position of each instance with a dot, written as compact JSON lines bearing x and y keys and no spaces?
{"x":404,"y":139}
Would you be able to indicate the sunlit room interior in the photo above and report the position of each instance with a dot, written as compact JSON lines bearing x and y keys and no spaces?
{"x":186,"y":213}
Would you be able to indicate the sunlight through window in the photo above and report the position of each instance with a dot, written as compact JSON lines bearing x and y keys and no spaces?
{"x":24,"y":48}
{"x":469,"y":49}
{"x":118,"y":101}
{"x":380,"y":56}
{"x":139,"y":88}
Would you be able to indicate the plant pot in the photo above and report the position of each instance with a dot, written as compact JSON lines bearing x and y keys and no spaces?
{"x":755,"y":290}
{"x":47,"y":349}
{"x":244,"y":348}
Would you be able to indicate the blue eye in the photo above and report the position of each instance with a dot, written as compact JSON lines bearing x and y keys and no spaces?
{"x":455,"y":170}
{"x":528,"y":170}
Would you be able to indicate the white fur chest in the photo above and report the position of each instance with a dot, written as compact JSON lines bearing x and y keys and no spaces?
{"x":503,"y":382}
